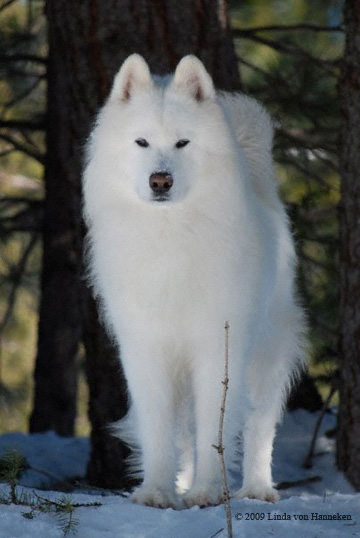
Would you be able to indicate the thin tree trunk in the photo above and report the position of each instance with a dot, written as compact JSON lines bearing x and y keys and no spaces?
{"x":60,"y":313}
{"x":348,"y":441}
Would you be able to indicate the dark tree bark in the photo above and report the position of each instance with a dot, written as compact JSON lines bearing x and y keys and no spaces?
{"x":88,"y":41}
{"x":348,"y":441}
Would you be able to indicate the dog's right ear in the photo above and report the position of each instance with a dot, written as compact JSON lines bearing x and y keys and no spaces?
{"x":134,"y":74}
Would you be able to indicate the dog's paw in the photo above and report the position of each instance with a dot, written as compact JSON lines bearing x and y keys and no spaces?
{"x":262,"y":493}
{"x":203,"y":496}
{"x":156,"y":497}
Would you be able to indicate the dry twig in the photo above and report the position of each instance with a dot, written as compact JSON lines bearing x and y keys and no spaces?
{"x":220,"y":447}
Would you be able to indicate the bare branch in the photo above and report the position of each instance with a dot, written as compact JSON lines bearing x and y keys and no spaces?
{"x":308,"y":173}
{"x":327,"y":160}
{"x":7,"y":58}
{"x":321,"y":239}
{"x":22,"y":95}
{"x":305,"y":139}
{"x":318,"y":214}
{"x":6,"y":4}
{"x":6,"y":152}
{"x":315,"y":263}
{"x":20,"y":125}
{"x":287,"y":49}
{"x":22,"y":72}
{"x":40,"y":157}
{"x":220,"y":447}
{"x":17,"y":200}
{"x":291,"y":27}
{"x":25,"y":220}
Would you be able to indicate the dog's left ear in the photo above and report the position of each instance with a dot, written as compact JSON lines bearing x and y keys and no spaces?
{"x":192,"y":78}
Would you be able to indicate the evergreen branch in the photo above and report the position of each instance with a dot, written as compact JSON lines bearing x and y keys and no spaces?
{"x":67,"y":522}
{"x":64,"y":501}
{"x":12,"y":464}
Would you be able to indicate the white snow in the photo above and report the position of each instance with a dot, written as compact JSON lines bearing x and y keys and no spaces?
{"x":117,"y":517}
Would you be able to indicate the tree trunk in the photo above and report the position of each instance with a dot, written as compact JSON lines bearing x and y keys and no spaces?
{"x":88,"y":41}
{"x":348,"y":441}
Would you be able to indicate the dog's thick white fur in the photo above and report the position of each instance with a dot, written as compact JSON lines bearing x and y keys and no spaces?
{"x":171,"y":268}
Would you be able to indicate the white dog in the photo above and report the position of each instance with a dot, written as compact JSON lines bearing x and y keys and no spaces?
{"x":187,"y":231}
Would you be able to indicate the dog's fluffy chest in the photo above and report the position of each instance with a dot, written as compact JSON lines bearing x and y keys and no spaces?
{"x":162,"y":262}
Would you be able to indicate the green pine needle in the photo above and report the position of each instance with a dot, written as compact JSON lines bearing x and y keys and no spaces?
{"x":12,"y":464}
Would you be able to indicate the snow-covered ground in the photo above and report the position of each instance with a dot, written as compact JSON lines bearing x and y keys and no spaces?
{"x":117,"y":517}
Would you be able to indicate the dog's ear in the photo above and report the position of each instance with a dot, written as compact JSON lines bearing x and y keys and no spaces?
{"x":192,"y":78}
{"x":134,"y":74}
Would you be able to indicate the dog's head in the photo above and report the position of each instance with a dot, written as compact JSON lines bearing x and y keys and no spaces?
{"x":159,"y":132}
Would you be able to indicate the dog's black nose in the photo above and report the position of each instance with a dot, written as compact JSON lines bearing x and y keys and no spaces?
{"x":161,"y":182}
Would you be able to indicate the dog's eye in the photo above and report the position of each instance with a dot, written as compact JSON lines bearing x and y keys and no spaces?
{"x":142,"y":142}
{"x":182,"y":143}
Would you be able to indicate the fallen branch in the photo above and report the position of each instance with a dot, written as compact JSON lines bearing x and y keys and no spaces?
{"x":308,"y":460}
{"x":295,"y":483}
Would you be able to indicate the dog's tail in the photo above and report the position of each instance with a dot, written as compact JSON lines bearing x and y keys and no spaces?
{"x":253,"y":129}
{"x":125,"y":429}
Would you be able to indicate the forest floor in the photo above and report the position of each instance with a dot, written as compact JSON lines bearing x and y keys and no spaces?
{"x":300,"y":513}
